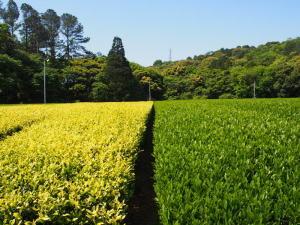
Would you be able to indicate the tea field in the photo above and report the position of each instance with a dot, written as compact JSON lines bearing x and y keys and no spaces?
{"x":228,"y":161}
{"x":72,"y":165}
{"x":215,"y":161}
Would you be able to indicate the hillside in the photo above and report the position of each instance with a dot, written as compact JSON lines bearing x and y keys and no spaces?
{"x":230,"y":73}
{"x":274,"y":68}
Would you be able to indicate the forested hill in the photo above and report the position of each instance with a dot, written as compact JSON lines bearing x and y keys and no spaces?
{"x":231,"y":73}
{"x":33,"y":42}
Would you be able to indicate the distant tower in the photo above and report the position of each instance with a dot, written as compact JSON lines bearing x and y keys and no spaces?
{"x":170,"y":55}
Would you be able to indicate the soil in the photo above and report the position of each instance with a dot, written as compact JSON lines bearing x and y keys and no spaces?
{"x":143,"y":209}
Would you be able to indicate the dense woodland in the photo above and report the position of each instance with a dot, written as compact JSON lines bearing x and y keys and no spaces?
{"x":231,"y":73}
{"x":28,"y":38}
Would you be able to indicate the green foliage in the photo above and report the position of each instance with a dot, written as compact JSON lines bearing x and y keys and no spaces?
{"x":72,"y":32}
{"x":227,"y":161}
{"x":51,"y":22}
{"x":233,"y":71}
{"x":274,"y":66}
{"x":100,"y":91}
{"x":1,"y":9}
{"x":16,"y":70}
{"x":79,"y":172}
{"x":158,"y":62}
{"x":227,"y":96}
{"x":34,"y":34}
{"x":8,"y":76}
{"x":10,"y":15}
{"x":146,"y":77}
{"x":55,"y":89}
{"x":118,"y":75}
{"x":81,"y":76}
{"x":21,"y":71}
{"x":292,"y":47}
{"x":6,"y":40}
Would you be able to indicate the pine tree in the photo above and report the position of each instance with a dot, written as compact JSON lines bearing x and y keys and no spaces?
{"x":10,"y":15}
{"x":7,"y":42}
{"x":33,"y":32}
{"x":72,"y":32}
{"x":24,"y":32}
{"x":118,"y":74}
{"x":1,"y":10}
{"x":51,"y":22}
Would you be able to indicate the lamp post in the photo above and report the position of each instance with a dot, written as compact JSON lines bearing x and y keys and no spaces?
{"x":45,"y":94}
{"x":45,"y":80}
{"x":150,"y":90}
{"x":254,"y":89}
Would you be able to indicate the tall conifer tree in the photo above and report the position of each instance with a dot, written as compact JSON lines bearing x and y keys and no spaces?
{"x":10,"y":15}
{"x":1,"y":9}
{"x":33,"y":32}
{"x":121,"y":82}
{"x":73,"y":37}
{"x":51,"y":22}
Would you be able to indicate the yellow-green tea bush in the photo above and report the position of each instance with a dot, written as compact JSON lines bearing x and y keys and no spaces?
{"x":74,"y":167}
{"x":228,"y":161}
{"x":14,"y":118}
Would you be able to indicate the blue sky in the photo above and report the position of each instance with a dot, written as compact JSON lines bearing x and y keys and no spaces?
{"x":149,"y":28}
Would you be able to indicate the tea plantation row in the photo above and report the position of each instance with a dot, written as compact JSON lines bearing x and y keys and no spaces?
{"x":228,"y":161}
{"x":216,"y":161}
{"x":75,"y":166}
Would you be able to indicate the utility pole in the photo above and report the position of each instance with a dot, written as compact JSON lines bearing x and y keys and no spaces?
{"x":45,"y":95}
{"x":45,"y":81}
{"x":254,"y":91}
{"x":170,"y":55}
{"x":150,"y":98}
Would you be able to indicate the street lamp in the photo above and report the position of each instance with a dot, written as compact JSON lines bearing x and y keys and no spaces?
{"x":45,"y":97}
{"x":150,"y":90}
{"x":45,"y":90}
{"x":254,"y":89}
{"x":45,"y":93}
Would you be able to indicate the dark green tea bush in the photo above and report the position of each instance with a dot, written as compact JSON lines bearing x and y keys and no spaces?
{"x":228,"y":161}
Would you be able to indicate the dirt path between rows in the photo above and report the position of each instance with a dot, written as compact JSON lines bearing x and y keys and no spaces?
{"x":142,"y":207}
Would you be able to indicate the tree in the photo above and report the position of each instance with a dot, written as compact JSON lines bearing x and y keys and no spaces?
{"x":11,"y":15}
{"x":55,"y":88}
{"x":72,"y":32}
{"x":158,"y":62}
{"x":51,"y":22}
{"x":1,"y":9}
{"x":80,"y":75}
{"x":33,"y":32}
{"x":8,"y":79}
{"x":7,"y":42}
{"x":8,"y":66}
{"x":100,"y":91}
{"x":16,"y":69}
{"x":26,"y":11}
{"x":118,"y":75}
{"x":146,"y":77}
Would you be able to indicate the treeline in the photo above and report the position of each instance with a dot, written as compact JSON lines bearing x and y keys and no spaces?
{"x":38,"y":32}
{"x":274,"y":69}
{"x":28,"y":38}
